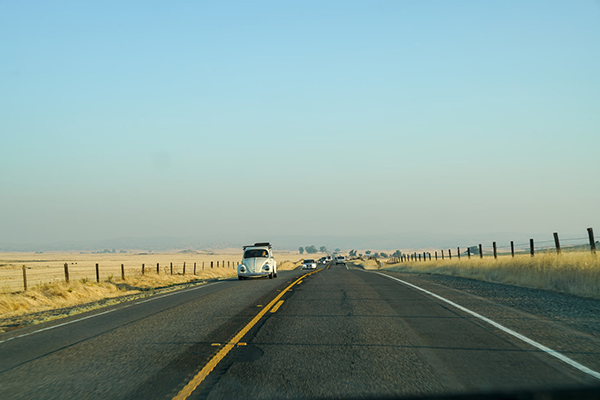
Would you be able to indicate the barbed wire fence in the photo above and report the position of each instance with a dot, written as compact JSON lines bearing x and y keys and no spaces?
{"x":533,"y":247}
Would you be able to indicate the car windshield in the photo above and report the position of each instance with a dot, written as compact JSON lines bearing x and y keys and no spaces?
{"x":309,"y":261}
{"x":256,"y":253}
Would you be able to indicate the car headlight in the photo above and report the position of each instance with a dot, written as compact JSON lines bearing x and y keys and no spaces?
{"x":266,"y":267}
{"x":242,"y":268}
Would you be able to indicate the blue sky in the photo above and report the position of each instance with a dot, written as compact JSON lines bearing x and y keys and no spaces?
{"x":276,"y":118}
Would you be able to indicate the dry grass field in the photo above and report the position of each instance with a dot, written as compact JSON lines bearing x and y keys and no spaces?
{"x":576,"y":273}
{"x":48,"y":290}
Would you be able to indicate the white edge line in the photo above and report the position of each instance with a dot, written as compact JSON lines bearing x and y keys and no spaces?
{"x":106,"y":312}
{"x":533,"y":343}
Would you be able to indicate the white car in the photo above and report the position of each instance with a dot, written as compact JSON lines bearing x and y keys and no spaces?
{"x":309,"y":264}
{"x":340,"y":260}
{"x":258,"y":261}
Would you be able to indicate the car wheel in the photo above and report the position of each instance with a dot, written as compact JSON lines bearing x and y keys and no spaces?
{"x":275,"y":275}
{"x":240,"y":278}
{"x":271,"y":275}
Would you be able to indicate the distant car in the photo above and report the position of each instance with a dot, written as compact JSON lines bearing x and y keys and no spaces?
{"x":328,"y":259}
{"x":340,"y":260}
{"x":309,"y":264}
{"x":323,"y":260}
{"x":257,"y":261}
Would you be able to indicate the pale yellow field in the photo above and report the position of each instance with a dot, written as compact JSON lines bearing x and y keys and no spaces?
{"x":576,"y":273}
{"x":47,"y":288}
{"x":47,"y":267}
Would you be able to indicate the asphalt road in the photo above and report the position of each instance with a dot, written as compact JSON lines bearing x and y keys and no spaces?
{"x":340,"y":332}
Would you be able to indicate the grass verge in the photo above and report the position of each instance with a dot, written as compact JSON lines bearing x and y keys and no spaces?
{"x":573,"y":273}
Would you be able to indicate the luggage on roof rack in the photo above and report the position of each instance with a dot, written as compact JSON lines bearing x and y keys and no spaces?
{"x":263,"y":244}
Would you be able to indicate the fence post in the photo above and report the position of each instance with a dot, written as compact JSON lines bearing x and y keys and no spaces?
{"x":419,"y":256}
{"x":143,"y":269}
{"x":429,"y":256}
{"x":442,"y":254}
{"x":211,"y":264}
{"x":184,"y":267}
{"x":223,"y":264}
{"x":202,"y":265}
{"x":122,"y":272}
{"x":97,"y":273}
{"x":67,"y":272}
{"x":171,"y":268}
{"x":531,"y":247}
{"x":194,"y":268}
{"x":480,"y":251}
{"x":495,"y":250}
{"x":424,"y":256}
{"x":556,"y":242}
{"x":449,"y":254}
{"x":512,"y":248}
{"x":468,"y":252}
{"x":436,"y":254}
{"x":458,"y":252}
{"x":592,"y":242}
{"x":158,"y":268}
{"x":24,"y":278}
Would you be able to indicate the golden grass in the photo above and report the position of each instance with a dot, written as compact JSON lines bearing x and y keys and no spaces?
{"x":576,"y":273}
{"x":53,"y":292}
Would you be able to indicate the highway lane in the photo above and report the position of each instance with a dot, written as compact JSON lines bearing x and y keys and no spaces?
{"x":350,"y":333}
{"x":122,"y":351}
{"x":337,"y":333}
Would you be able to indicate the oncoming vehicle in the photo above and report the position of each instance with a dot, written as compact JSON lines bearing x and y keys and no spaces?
{"x":340,"y":260}
{"x":323,"y":260}
{"x":309,"y":264}
{"x":258,"y":261}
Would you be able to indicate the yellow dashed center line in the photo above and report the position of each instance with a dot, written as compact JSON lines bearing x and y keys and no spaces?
{"x":207,"y":369}
{"x":279,"y":303}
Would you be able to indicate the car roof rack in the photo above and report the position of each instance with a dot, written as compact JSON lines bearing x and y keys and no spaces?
{"x":262,"y":244}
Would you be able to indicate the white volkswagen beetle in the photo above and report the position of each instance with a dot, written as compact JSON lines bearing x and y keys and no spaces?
{"x":258,"y":261}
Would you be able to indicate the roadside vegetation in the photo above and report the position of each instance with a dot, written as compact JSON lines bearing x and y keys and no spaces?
{"x":576,"y":273}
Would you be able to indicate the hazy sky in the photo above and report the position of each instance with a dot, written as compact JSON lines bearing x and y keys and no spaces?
{"x":267,"y":118}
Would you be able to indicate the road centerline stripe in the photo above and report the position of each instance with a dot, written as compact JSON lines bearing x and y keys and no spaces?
{"x":276,"y":307}
{"x":207,"y":369}
{"x":523,"y":338}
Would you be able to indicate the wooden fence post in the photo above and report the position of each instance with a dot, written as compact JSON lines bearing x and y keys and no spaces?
{"x":442,"y":254}
{"x":184,"y":267}
{"x":458,"y":252}
{"x":97,"y":273}
{"x":143,"y":269}
{"x":202,"y":265}
{"x":67,"y":272}
{"x":531,"y":247}
{"x":24,"y":278}
{"x":424,"y":256}
{"x":495,"y":250}
{"x":592,"y":242}
{"x":449,"y":254}
{"x":512,"y":248}
{"x":194,"y":268}
{"x":171,"y":268}
{"x":556,"y":242}
{"x":122,"y":272}
{"x":468,"y":252}
{"x":480,"y":251}
{"x":211,"y":264}
{"x":429,"y":256}
{"x":158,"y":268}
